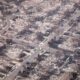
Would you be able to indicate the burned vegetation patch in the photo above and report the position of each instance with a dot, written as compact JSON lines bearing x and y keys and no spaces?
{"x":40,"y":36}
{"x":27,"y":70}
{"x":55,"y":42}
{"x":25,"y":32}
{"x":17,"y":2}
{"x":2,"y":49}
{"x":77,"y":5}
{"x":7,"y":9}
{"x":39,"y":18}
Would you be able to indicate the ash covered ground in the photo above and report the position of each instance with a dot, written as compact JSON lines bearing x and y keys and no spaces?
{"x":39,"y":39}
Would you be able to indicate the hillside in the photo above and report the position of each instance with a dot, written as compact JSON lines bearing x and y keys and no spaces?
{"x":39,"y":39}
